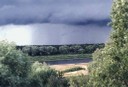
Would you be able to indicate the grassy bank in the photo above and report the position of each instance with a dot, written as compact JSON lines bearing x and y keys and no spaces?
{"x":60,"y":57}
{"x":73,"y":69}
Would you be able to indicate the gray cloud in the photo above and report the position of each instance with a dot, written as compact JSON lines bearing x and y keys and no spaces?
{"x":54,"y":34}
{"x":80,"y":12}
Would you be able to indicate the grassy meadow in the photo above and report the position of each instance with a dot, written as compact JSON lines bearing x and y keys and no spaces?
{"x":60,"y":57}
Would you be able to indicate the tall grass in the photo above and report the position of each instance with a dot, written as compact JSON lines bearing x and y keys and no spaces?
{"x":60,"y":57}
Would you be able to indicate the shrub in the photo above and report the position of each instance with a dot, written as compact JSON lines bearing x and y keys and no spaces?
{"x":78,"y":81}
{"x":43,"y":76}
{"x":14,"y":66}
{"x":16,"y":70}
{"x":57,"y":82}
{"x":110,"y":64}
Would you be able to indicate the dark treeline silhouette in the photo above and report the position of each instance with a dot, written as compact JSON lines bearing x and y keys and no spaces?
{"x":41,"y":50}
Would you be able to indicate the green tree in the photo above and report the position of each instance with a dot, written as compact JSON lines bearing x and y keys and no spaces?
{"x":14,"y":66}
{"x":75,"y":49}
{"x":27,"y":50}
{"x":43,"y":50}
{"x":16,"y":70}
{"x":51,"y":50}
{"x":110,"y":65}
{"x":43,"y":76}
{"x":78,"y":81}
{"x":64,"y":49}
{"x":35,"y":50}
{"x":90,"y":48}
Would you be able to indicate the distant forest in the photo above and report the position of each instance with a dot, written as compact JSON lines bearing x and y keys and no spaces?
{"x":41,"y":50}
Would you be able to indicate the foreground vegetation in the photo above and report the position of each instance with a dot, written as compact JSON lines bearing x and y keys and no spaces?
{"x":110,"y":64}
{"x":78,"y":81}
{"x":16,"y":70}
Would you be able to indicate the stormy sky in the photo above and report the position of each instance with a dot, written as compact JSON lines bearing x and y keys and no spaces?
{"x":43,"y":14}
{"x":53,"y":11}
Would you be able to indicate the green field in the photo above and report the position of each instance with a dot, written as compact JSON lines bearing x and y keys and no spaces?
{"x":60,"y":57}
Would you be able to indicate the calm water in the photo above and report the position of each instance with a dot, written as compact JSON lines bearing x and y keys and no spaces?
{"x":52,"y":34}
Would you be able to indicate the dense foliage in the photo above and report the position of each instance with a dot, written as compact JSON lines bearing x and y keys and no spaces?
{"x":16,"y":70}
{"x":110,"y":65}
{"x":60,"y":49}
{"x":78,"y":81}
{"x":14,"y":66}
{"x":43,"y":76}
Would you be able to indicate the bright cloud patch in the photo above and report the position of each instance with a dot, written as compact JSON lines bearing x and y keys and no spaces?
{"x":19,"y":34}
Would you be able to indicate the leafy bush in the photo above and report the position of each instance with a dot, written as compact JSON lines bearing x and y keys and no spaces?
{"x":78,"y":81}
{"x":110,"y":64}
{"x":57,"y":82}
{"x":43,"y":76}
{"x":16,"y":70}
{"x":14,"y":66}
{"x":73,"y":69}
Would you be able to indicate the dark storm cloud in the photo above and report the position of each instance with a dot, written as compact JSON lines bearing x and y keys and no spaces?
{"x":77,"y":12}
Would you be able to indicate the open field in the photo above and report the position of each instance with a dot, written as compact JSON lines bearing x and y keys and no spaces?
{"x":60,"y":57}
{"x":63,"y":67}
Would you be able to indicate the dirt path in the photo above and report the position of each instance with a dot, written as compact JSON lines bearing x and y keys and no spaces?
{"x":62,"y":67}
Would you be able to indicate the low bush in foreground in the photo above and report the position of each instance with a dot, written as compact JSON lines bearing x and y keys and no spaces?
{"x":78,"y":81}
{"x":110,"y":64}
{"x":43,"y":76}
{"x":16,"y":70}
{"x":14,"y":66}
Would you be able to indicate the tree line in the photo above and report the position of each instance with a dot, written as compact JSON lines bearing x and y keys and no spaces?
{"x":36,"y":50}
